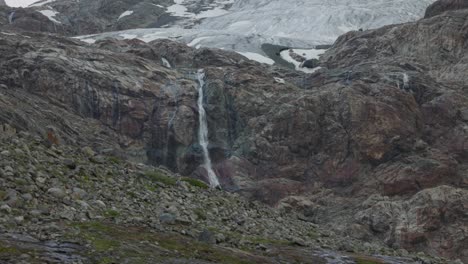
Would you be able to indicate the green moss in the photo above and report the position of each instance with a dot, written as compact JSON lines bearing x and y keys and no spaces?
{"x":106,"y":260}
{"x":201,"y":251}
{"x":115,"y":160}
{"x":312,"y":234}
{"x":20,"y":182}
{"x":151,"y":187}
{"x":3,"y":194}
{"x":262,"y":240}
{"x":200,"y":213}
{"x":92,"y":226}
{"x":112,"y":213}
{"x":158,"y":176}
{"x":9,"y":251}
{"x":104,"y":244}
{"x":110,"y":242}
{"x":195,"y":182}
{"x":366,"y":260}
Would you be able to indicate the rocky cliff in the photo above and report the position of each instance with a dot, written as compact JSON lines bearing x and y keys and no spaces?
{"x":373,"y":145}
{"x":441,"y":6}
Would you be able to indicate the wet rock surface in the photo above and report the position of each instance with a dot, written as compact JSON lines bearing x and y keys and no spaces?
{"x":373,"y":146}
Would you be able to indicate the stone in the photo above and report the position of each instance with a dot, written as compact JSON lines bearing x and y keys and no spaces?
{"x":312,"y":63}
{"x":5,"y":208}
{"x":19,"y":219}
{"x":207,"y":236}
{"x":99,"y":203}
{"x":78,"y":194}
{"x":58,"y":193}
{"x":71,"y":164}
{"x":27,"y":197}
{"x":167,"y":219}
{"x":88,"y":152}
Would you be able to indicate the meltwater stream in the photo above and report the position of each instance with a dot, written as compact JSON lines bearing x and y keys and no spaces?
{"x":203,"y":131}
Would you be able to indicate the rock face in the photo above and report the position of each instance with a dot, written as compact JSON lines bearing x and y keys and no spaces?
{"x":27,"y":19}
{"x":373,"y":145}
{"x":441,"y":6}
{"x":2,"y":3}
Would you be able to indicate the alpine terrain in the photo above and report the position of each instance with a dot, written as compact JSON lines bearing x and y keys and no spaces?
{"x":234,"y":131}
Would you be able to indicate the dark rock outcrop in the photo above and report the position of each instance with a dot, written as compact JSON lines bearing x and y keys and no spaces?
{"x":441,"y":6}
{"x":30,"y":20}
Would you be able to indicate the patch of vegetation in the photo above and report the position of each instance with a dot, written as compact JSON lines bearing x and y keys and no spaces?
{"x":106,"y":260}
{"x":200,"y":213}
{"x":20,"y":182}
{"x":158,"y":176}
{"x":111,"y":242}
{"x":268,"y":241}
{"x":367,"y":260}
{"x":3,"y":194}
{"x":9,"y":251}
{"x":201,"y":251}
{"x":312,"y":234}
{"x":103,"y":244}
{"x":112,"y":213}
{"x":195,"y":182}
{"x":151,"y":187}
{"x":115,"y":160}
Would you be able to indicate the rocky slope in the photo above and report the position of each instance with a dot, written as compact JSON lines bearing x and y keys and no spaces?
{"x":62,"y":204}
{"x":372,"y":146}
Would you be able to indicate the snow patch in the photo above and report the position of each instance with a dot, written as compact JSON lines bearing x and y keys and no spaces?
{"x":195,"y":42}
{"x":279,"y":80}
{"x":50,"y":14}
{"x":41,"y":3}
{"x":257,"y":57}
{"x":8,"y":34}
{"x":166,"y":63}
{"x":128,"y":36}
{"x":298,"y":56}
{"x":124,"y":14}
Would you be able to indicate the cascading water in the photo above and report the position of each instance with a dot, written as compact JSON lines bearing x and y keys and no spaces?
{"x":203,"y":132}
{"x":11,"y":17}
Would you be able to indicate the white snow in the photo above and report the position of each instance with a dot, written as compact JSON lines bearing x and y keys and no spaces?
{"x":166,"y":63}
{"x":249,"y":24}
{"x":8,"y":34}
{"x":124,"y":14}
{"x":195,"y":41}
{"x":51,"y":15}
{"x":307,"y":54}
{"x":405,"y":81}
{"x":41,"y":3}
{"x":211,"y":13}
{"x":178,"y":9}
{"x":128,"y":36}
{"x":257,"y":57}
{"x":279,"y":80}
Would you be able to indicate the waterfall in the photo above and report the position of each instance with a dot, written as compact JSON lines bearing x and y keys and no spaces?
{"x":203,"y":132}
{"x":11,"y":17}
{"x":406,"y":81}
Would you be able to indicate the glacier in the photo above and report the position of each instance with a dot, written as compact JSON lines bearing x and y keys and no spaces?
{"x":245,"y":25}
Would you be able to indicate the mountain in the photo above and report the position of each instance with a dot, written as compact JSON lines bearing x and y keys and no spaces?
{"x":243,"y":26}
{"x":366,"y":154}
